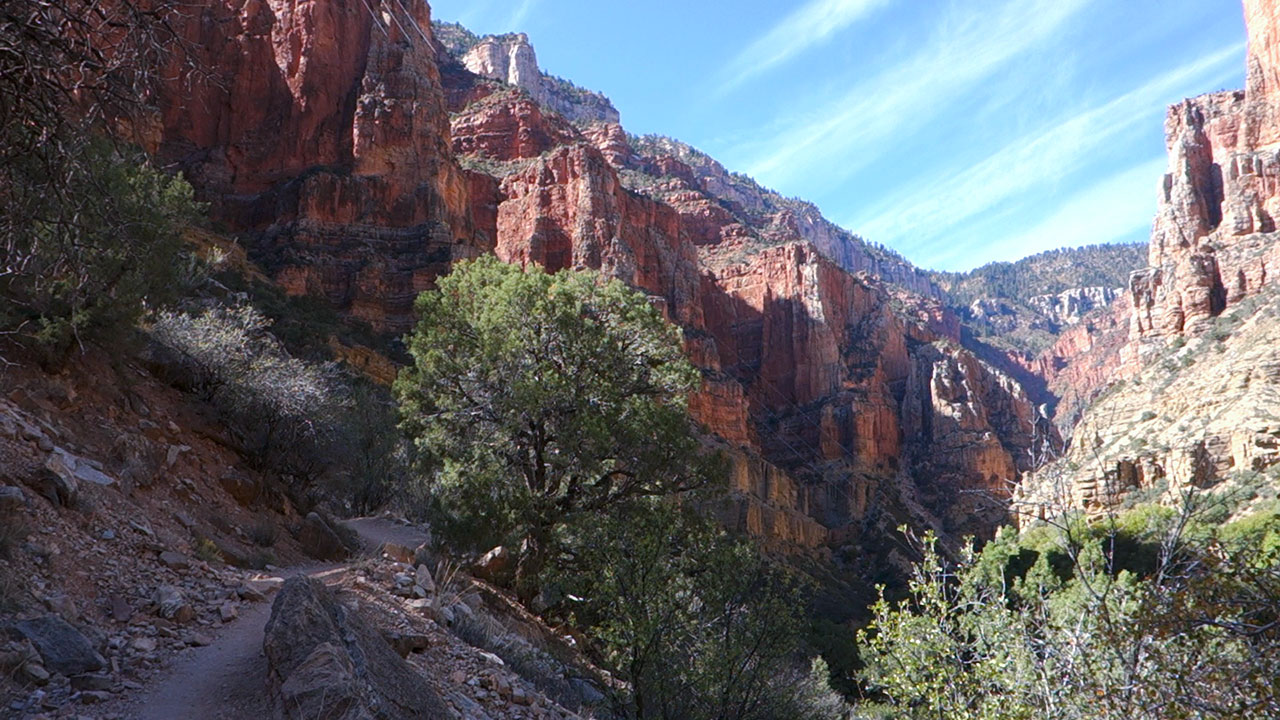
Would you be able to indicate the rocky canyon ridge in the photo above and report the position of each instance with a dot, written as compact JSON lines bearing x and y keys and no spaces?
{"x":1199,"y":366}
{"x":357,"y":155}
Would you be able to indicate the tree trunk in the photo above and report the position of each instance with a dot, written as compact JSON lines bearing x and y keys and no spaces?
{"x":533,"y":558}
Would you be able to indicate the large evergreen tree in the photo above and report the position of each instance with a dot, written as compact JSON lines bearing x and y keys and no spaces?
{"x":538,"y":397}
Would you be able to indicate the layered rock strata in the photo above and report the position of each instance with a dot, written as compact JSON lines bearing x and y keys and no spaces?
{"x":1202,"y":327}
{"x":1199,"y":416}
{"x":511,"y":58}
{"x":318,"y":131}
{"x":1212,"y":244}
{"x":329,"y":138}
{"x":833,"y":387}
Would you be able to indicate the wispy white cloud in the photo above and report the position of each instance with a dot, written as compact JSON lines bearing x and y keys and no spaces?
{"x":811,"y":24}
{"x":1118,"y":208}
{"x":970,"y":45}
{"x":931,"y":209}
{"x":521,"y":14}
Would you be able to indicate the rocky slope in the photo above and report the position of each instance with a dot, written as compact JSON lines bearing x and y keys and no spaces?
{"x":1202,"y":414}
{"x":130,"y":530}
{"x":138,"y":549}
{"x":1209,"y":284}
{"x":1056,"y":320}
{"x":1025,"y":305}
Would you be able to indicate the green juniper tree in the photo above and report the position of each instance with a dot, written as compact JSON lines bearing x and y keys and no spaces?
{"x":536,"y":398}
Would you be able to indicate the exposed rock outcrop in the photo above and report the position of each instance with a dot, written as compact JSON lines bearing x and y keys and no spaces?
{"x":318,"y":131}
{"x":1087,"y":357}
{"x":1200,"y":415}
{"x":63,"y":649}
{"x":1070,"y":306}
{"x":325,"y":140}
{"x":1202,"y":327}
{"x":1212,"y":244}
{"x":325,"y":661}
{"x":511,"y":59}
{"x":834,"y":387}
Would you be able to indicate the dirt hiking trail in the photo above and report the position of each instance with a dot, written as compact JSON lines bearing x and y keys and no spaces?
{"x":227,"y":679}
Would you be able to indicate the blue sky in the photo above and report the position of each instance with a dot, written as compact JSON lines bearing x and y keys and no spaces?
{"x":955,"y":131}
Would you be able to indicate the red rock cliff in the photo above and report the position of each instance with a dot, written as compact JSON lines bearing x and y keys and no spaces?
{"x":318,"y":130}
{"x":847,"y":388}
{"x":1198,"y":409}
{"x":324,"y":139}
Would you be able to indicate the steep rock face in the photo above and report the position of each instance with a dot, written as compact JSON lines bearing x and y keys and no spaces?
{"x":325,"y":140}
{"x":511,"y":59}
{"x":831,"y":388}
{"x":759,"y":216}
{"x":318,"y":131}
{"x":852,"y":385}
{"x":1069,"y":307}
{"x":1088,"y":356}
{"x":501,"y":127}
{"x":1201,"y":415}
{"x":1202,"y":329}
{"x":1262,"y":19}
{"x":1210,"y":246}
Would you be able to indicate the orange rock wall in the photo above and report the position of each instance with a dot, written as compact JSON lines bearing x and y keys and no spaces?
{"x":334,"y":140}
{"x":1212,"y":243}
{"x":318,"y":130}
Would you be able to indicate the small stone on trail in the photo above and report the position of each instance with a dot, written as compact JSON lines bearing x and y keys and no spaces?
{"x":175,"y":560}
{"x":143,"y":644}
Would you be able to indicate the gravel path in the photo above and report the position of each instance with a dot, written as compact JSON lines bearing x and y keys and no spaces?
{"x":227,"y":679}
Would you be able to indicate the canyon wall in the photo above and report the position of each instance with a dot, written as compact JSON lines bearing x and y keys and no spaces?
{"x":318,"y":132}
{"x":1199,"y":372}
{"x":833,"y":388}
{"x":357,"y":160}
{"x":511,"y":59}
{"x":1212,"y":244}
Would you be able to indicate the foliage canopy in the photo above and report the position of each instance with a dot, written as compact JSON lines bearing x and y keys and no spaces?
{"x":1148,"y":615}
{"x":539,"y":397}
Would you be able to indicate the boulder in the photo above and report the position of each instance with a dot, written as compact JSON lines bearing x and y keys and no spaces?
{"x":11,"y":499}
{"x":243,"y":488}
{"x":171,"y":605}
{"x":62,"y":648}
{"x":494,"y":566}
{"x":174,"y":560}
{"x":406,"y":642}
{"x":81,"y":469}
{"x":320,"y":541}
{"x":326,"y":662}
{"x":56,"y":482}
{"x":423,"y":579}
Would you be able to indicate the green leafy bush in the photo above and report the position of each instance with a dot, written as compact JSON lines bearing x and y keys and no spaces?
{"x":1195,"y":632}
{"x":550,"y":414}
{"x":95,"y":256}
{"x":700,"y":624}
